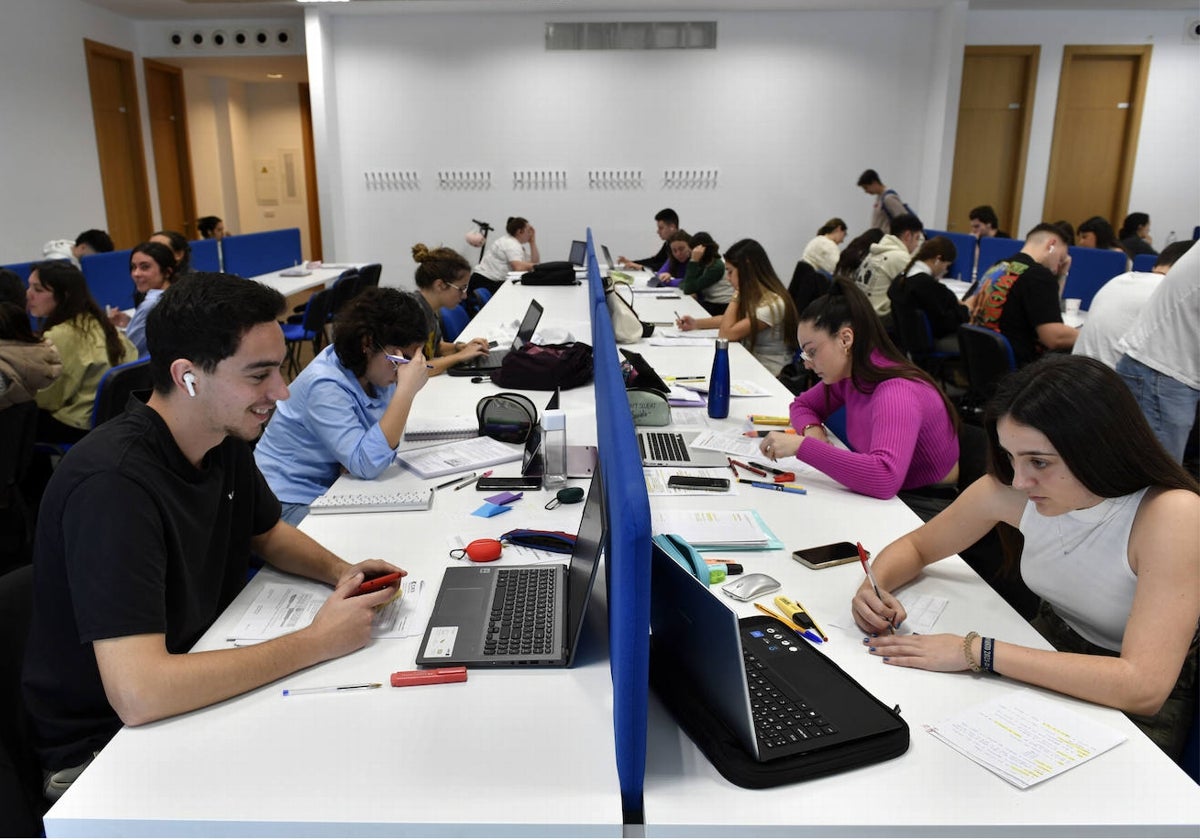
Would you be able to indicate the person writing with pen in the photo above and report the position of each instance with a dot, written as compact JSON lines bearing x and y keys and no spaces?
{"x":1110,"y":524}
{"x":146,"y":531}
{"x":349,"y":406}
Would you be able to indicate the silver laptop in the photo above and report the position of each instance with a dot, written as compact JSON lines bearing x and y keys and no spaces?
{"x":478,"y":620}
{"x":492,"y":361}
{"x":670,"y":449}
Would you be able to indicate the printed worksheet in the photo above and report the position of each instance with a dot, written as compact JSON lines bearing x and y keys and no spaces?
{"x":282,"y":608}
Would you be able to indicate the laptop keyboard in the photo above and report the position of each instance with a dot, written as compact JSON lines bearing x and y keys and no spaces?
{"x":522,"y":617}
{"x":664,"y":446}
{"x":780,"y":720}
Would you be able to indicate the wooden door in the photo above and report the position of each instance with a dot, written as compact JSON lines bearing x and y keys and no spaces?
{"x":310,"y":174}
{"x":1095,"y":132}
{"x":119,"y":143}
{"x":172,"y":158}
{"x":994,"y":112}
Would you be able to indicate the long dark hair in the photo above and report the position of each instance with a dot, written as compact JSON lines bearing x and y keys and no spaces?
{"x":1098,"y":225}
{"x":846,"y":305}
{"x":1084,"y":408}
{"x":181,"y":246}
{"x":757,"y":280}
{"x":73,"y":300}
{"x":939,"y":246}
{"x":712,"y":251}
{"x":854,"y":253}
{"x":163,"y":256}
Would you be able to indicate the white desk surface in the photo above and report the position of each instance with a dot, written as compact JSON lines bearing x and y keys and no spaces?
{"x":931,"y":790}
{"x":525,"y":752}
{"x":318,"y":278}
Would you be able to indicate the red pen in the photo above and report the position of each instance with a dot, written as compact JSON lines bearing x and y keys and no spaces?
{"x":754,"y":470}
{"x":431,"y":677}
{"x":731,"y":469}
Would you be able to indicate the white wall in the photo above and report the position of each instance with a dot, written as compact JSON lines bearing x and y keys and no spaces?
{"x":772,"y":108}
{"x":49,"y":168}
{"x":1166,"y":175}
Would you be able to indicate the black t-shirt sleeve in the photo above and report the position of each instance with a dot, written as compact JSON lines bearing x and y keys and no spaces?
{"x":115,"y":558}
{"x":1039,"y":298}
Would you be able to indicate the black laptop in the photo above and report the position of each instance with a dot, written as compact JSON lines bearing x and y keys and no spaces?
{"x":517,"y":616}
{"x":779,"y":697}
{"x":492,"y":361}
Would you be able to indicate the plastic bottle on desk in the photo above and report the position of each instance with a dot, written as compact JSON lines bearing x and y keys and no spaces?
{"x":554,"y":449}
{"x":718,"y":381}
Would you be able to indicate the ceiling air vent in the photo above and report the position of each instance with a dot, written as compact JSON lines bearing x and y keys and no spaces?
{"x":635,"y":35}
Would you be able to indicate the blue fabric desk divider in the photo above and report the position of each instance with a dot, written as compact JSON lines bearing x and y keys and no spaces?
{"x":251,"y":254}
{"x":108,"y":278}
{"x":992,"y":249}
{"x":963,"y":267}
{"x":22,"y":270}
{"x":205,"y":256}
{"x":627,"y":507}
{"x":1090,"y":269}
{"x":1144,"y":262}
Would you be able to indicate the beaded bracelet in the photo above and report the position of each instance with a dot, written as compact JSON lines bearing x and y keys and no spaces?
{"x":986,"y":653}
{"x":967,"y":640}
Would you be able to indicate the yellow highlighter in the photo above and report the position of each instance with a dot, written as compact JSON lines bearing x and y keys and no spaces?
{"x":795,"y":610}
{"x":769,"y":420}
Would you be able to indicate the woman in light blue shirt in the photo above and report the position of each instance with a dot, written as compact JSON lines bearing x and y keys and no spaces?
{"x":348,"y":407}
{"x":152,"y":268}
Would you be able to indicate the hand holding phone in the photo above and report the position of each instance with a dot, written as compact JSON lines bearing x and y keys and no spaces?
{"x":376,"y":583}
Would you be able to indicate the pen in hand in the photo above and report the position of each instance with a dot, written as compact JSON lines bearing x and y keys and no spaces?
{"x":862,"y":558}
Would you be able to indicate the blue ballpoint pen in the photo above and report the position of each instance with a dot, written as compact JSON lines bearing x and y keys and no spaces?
{"x":782,"y":488}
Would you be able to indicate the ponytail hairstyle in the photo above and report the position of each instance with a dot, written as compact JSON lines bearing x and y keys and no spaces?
{"x":442,"y":263}
{"x":758,"y":282}
{"x":515,"y":224}
{"x":712,"y":251}
{"x":1131,"y":224}
{"x":846,"y":305}
{"x":72,"y":301}
{"x":181,"y":248}
{"x":940,"y":247}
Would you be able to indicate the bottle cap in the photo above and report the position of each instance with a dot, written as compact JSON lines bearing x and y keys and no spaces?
{"x":554,"y":420}
{"x":722,"y":343}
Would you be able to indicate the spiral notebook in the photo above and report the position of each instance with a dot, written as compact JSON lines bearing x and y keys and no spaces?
{"x":458,"y":456}
{"x":441,"y":428}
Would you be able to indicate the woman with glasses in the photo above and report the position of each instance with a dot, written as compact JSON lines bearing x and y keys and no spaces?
{"x":760,"y":312}
{"x":442,"y":279}
{"x":348,"y":407}
{"x":901,"y":429}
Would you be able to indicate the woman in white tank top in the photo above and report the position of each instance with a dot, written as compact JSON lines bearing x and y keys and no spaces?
{"x":1110,"y":522}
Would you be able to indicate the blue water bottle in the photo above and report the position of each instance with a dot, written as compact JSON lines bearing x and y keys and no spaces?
{"x":718,"y":382}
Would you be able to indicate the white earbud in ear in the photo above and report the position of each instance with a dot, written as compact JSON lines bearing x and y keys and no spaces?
{"x":189,"y":382}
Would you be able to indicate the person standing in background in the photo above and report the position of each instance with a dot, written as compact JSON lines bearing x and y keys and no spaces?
{"x":888,"y":204}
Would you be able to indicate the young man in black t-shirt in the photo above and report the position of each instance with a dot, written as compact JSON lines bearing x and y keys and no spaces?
{"x":145,"y":533}
{"x":667,"y":223}
{"x":1018,"y":297}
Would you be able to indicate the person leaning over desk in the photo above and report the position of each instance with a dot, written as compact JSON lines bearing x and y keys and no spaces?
{"x":902,"y":430}
{"x":348,"y":407}
{"x":145,"y":533}
{"x":760,"y":313}
{"x":442,"y":276}
{"x":1110,"y":523}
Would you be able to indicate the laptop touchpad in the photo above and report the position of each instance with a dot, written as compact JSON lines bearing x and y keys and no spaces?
{"x":466,"y":601}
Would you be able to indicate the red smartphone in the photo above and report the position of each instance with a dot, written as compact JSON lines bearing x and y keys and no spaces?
{"x":376,"y":583}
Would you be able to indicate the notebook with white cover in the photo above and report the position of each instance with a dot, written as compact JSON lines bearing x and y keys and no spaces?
{"x":459,"y":456}
{"x":441,"y":428}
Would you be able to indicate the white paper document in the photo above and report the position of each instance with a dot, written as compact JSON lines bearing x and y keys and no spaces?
{"x":459,"y":456}
{"x":1025,"y":738}
{"x":923,"y":612}
{"x":711,"y":527}
{"x":282,"y":608}
{"x":733,"y":443}
{"x":737,"y":388}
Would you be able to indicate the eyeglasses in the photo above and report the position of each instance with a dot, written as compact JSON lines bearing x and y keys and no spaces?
{"x":807,"y":355}
{"x":506,"y":417}
{"x":462,"y":290}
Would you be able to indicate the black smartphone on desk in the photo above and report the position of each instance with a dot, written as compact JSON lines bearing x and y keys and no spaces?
{"x":824,"y":556}
{"x":692,"y":482}
{"x":506,"y":482}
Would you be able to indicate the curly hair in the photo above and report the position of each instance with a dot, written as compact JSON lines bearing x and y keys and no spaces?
{"x":376,"y":318}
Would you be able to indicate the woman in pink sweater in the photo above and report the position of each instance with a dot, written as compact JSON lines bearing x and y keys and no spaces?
{"x":901,"y":429}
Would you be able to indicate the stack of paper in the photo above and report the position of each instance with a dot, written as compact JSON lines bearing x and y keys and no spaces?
{"x":459,"y":456}
{"x":732,"y":530}
{"x":282,"y":608}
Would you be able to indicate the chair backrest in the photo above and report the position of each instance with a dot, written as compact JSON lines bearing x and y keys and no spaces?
{"x":21,"y":804}
{"x":1091,"y":268}
{"x":988,"y":357}
{"x":992,"y":249}
{"x":316,"y":311}
{"x":482,"y":296}
{"x":116,"y":387}
{"x":454,"y":321}
{"x":369,"y":274}
{"x":348,"y":284}
{"x":913,"y":332}
{"x":807,"y":285}
{"x":108,"y":278}
{"x":18,"y":424}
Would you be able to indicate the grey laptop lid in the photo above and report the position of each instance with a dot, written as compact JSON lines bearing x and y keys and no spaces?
{"x":578,"y":255}
{"x":459,"y":624}
{"x":529,"y":324}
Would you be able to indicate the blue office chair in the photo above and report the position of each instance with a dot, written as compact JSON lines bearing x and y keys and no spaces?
{"x":116,"y":387}
{"x":310,"y":328}
{"x":988,"y":358}
{"x":915,"y":335}
{"x":454,"y":321}
{"x":482,"y":296}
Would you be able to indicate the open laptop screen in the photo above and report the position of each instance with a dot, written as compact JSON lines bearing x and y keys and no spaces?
{"x":588,"y":543}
